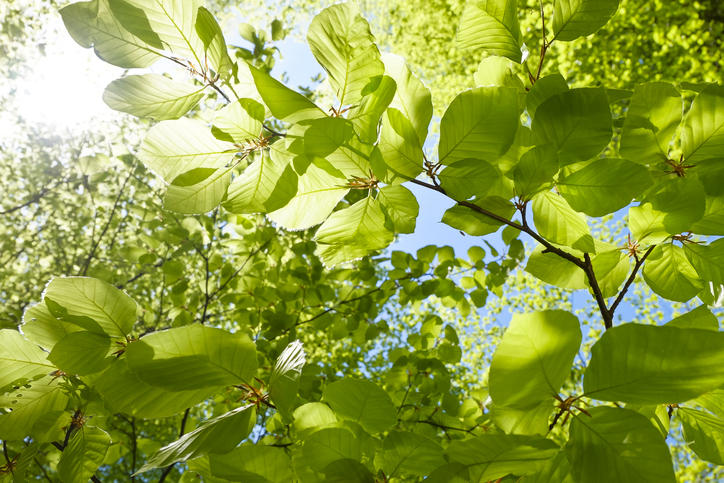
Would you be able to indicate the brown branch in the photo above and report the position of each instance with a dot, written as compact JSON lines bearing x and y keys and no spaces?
{"x":630,"y":280}
{"x":598,"y":295}
{"x":544,"y":46}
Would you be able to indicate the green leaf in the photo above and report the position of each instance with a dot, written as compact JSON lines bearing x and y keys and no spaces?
{"x":363,"y":402}
{"x":318,"y":193}
{"x":82,"y":353}
{"x":412,"y":98}
{"x":580,"y":18}
{"x":111,"y":309}
{"x":268,"y":184}
{"x":703,"y":134}
{"x":219,"y":435}
{"x":192,"y":357}
{"x":249,"y":463}
{"x":212,"y":38}
{"x":492,"y":456}
{"x":653,"y":116}
{"x":611,"y":269}
{"x":401,"y":206}
{"x":685,"y":364}
{"x":699,"y":318}
{"x":365,"y":116}
{"x":708,"y":260}
{"x":172,"y":148}
{"x":153,"y":96}
{"x":285,"y":104}
{"x":712,"y":401}
{"x":479,"y":123}
{"x":25,"y":459}
{"x":329,"y":445}
{"x":239,"y":122}
{"x":20,"y":360}
{"x":497,"y":71}
{"x":478,"y":224}
{"x":617,"y":444}
{"x":544,"y":88}
{"x":28,"y":404}
{"x":491,"y":25}
{"x":342,"y":43}
{"x":334,"y":140}
{"x":399,"y":149}
{"x":84,"y":454}
{"x":577,"y":122}
{"x":197,"y":191}
{"x":284,"y":379}
{"x":408,"y":453}
{"x":354,"y":232}
{"x":703,"y":433}
{"x":559,"y":224}
{"x":535,"y":171}
{"x":670,"y":274}
{"x":671,"y":207}
{"x":313,"y":414}
{"x":91,"y":24}
{"x":522,"y":421}
{"x":555,"y":270}
{"x":347,"y":471}
{"x":534,"y":358}
{"x":556,"y":470}
{"x":604,"y":186}
{"x":124,"y":392}
{"x":468,"y":178}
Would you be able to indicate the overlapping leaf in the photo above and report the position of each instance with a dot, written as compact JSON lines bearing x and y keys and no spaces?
{"x":491,"y":25}
{"x":152,"y":95}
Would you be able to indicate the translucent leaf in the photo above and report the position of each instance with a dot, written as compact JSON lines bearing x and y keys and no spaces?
{"x":408,"y":453}
{"x":534,"y":358}
{"x":558,"y":223}
{"x":110,"y":309}
{"x":412,"y":98}
{"x":313,"y":414}
{"x":604,"y":186}
{"x":252,"y":463}
{"x":579,"y":18}
{"x":535,"y":171}
{"x":82,"y":353}
{"x":28,"y":404}
{"x":685,"y":364}
{"x":286,"y":104}
{"x":354,"y":232}
{"x":192,"y":357}
{"x":347,"y":471}
{"x":219,"y":435}
{"x":611,"y":269}
{"x":703,"y":134}
{"x":698,"y":318}
{"x":284,"y":379}
{"x":20,"y":361}
{"x":399,"y":149}
{"x":401,"y":206}
{"x":492,"y":456}
{"x":479,"y":123}
{"x":479,"y":224}
{"x":172,"y":148}
{"x":212,"y":38}
{"x":578,"y":122}
{"x":617,"y":444}
{"x":556,"y":470}
{"x":555,"y":270}
{"x":363,"y":402}
{"x":152,"y":95}
{"x":239,"y":122}
{"x":708,"y":260}
{"x":91,"y":24}
{"x":491,"y":25}
{"x":712,"y":401}
{"x":544,"y":88}
{"x":341,"y":41}
{"x":497,"y":71}
{"x":522,"y":421}
{"x":197,"y":191}
{"x":124,"y":392}
{"x":329,"y":445}
{"x":670,"y":274}
{"x":468,"y":178}
{"x":653,"y":116}
{"x":704,"y":434}
{"x":84,"y":454}
{"x":334,"y":140}
{"x":365,"y":116}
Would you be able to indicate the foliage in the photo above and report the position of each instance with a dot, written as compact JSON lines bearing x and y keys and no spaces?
{"x":246,"y":331}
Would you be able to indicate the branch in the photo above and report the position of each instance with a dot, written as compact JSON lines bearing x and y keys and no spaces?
{"x":630,"y":280}
{"x":544,"y":46}
{"x":591,"y":275}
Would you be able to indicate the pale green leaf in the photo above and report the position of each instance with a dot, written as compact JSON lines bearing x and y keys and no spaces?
{"x":239,"y":122}
{"x":197,"y":191}
{"x":522,"y":421}
{"x":580,"y":18}
{"x":341,"y":41}
{"x":535,"y":171}
{"x":399,"y":149}
{"x":712,"y":401}
{"x":192,"y":357}
{"x":153,"y":96}
{"x":534,"y":358}
{"x":497,"y":71}
{"x":365,"y":116}
{"x":556,"y":470}
{"x":704,"y":434}
{"x":479,"y":123}
{"x":363,"y":402}
{"x":703,"y":134}
{"x":412,"y":98}
{"x":20,"y":361}
{"x":84,"y":454}
{"x":249,"y":463}
{"x":670,"y":274}
{"x":708,"y":260}
{"x":685,"y":364}
{"x":27,"y":404}
{"x":284,"y":103}
{"x":40,"y":327}
{"x":329,"y":445}
{"x":611,"y":269}
{"x":558,"y":223}
{"x":82,"y":353}
{"x":475,"y":223}
{"x":401,"y":206}
{"x":468,"y":178}
{"x":698,"y":318}
{"x":544,"y":88}
{"x":555,"y":270}
{"x":334,"y":140}
{"x":313,"y":414}
{"x":491,"y":25}
{"x":617,"y":444}
{"x":408,"y":453}
{"x":214,"y":44}
{"x":284,"y":379}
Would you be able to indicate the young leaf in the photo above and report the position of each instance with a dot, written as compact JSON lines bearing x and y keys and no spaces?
{"x":522,"y":421}
{"x":27,"y":405}
{"x":365,"y":116}
{"x":239,"y":122}
{"x":577,"y":122}
{"x":39,"y":326}
{"x":286,"y":104}
{"x":611,"y":269}
{"x":558,"y":223}
{"x":334,"y":140}
{"x":412,"y":98}
{"x":212,"y":38}
{"x":703,"y":134}
{"x":20,"y":360}
{"x":84,"y":454}
{"x":491,"y":25}
{"x":704,"y":434}
{"x":197,"y":191}
{"x":328,"y":445}
{"x":401,"y":206}
{"x":653,"y":116}
{"x":555,"y":270}
{"x":544,"y":88}
{"x":82,"y":353}
{"x":252,"y":463}
{"x":153,"y":96}
{"x":478,"y":224}
{"x":399,"y":149}
{"x":670,"y":274}
{"x":708,"y":260}
{"x":534,"y":358}
{"x":535,"y":171}
{"x":284,"y":379}
{"x":219,"y":435}
{"x":479,"y":123}
{"x":556,"y":470}
{"x":192,"y":357}
{"x":686,"y":364}
{"x":363,"y":402}
{"x":342,"y":43}
{"x":468,"y":178}
{"x":406,"y":452}
{"x":699,"y":318}
{"x":580,"y":18}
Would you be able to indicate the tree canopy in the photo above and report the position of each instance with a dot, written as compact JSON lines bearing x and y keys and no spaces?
{"x":202,"y":289}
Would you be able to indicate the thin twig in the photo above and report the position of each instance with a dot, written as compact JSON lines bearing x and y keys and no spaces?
{"x":630,"y":280}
